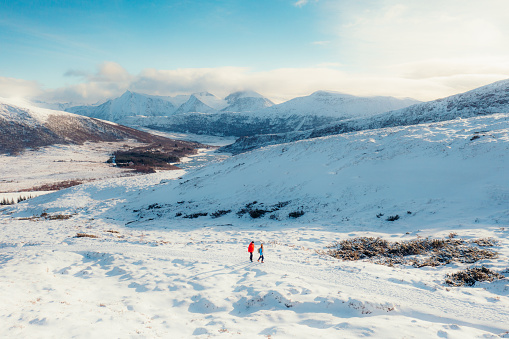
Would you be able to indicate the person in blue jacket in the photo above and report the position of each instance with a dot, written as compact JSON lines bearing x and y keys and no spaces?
{"x":260,"y":250}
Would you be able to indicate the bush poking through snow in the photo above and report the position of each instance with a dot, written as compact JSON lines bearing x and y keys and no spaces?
{"x":393,"y":218}
{"x":485,"y":242}
{"x":257,"y":210}
{"x":257,"y":213}
{"x":296,"y":214}
{"x":220,"y":213}
{"x":431,"y":252}
{"x":470,"y":276}
{"x":195,"y":215}
{"x":85,"y":235}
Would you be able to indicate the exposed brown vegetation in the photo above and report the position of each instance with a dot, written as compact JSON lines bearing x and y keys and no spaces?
{"x":56,"y":186}
{"x":470,"y":276}
{"x":148,"y":158}
{"x":85,"y":235}
{"x":417,"y":252}
{"x":48,"y":217}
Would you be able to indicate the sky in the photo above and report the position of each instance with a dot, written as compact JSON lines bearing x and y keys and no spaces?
{"x":88,"y":51}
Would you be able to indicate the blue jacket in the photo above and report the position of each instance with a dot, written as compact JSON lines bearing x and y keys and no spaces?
{"x":260,"y":250}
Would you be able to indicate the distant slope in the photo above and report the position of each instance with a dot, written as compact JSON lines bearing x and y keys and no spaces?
{"x":25,"y":126}
{"x":493,"y":98}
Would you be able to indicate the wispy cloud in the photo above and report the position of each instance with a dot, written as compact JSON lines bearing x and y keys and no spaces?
{"x":301,"y":3}
{"x":320,"y":43}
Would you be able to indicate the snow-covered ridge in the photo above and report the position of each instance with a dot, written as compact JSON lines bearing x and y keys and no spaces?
{"x":20,"y":110}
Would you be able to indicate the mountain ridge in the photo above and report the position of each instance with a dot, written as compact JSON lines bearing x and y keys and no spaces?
{"x":489,"y":99}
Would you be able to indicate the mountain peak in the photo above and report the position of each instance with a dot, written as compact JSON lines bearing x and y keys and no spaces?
{"x":242,"y":94}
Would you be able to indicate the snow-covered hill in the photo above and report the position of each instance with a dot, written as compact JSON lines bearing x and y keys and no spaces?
{"x":129,"y":104}
{"x":164,"y":255}
{"x":246,"y":101}
{"x":25,"y":126}
{"x":493,"y":98}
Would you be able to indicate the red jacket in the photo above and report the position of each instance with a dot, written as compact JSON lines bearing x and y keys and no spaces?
{"x":250,"y":248}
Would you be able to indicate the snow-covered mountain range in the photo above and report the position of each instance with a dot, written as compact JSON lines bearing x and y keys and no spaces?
{"x":240,"y":113}
{"x":492,"y":98}
{"x":136,"y":104}
{"x":23,"y":125}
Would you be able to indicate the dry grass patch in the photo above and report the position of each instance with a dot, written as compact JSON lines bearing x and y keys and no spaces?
{"x":418,"y":252}
{"x":470,"y":276}
{"x":85,"y":235}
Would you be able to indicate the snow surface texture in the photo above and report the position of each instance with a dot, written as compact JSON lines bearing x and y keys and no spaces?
{"x":169,"y":276}
{"x":493,"y":98}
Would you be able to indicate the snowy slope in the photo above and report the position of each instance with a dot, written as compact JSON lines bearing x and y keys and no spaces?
{"x":430,"y":170}
{"x":246,"y":101}
{"x":129,"y":104}
{"x":152,"y":272}
{"x":194,"y":104}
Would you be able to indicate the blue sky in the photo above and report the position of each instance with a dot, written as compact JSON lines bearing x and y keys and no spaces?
{"x":89,"y":50}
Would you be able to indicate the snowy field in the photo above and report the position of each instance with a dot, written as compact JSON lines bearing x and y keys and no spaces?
{"x":59,"y":163}
{"x":139,"y":269}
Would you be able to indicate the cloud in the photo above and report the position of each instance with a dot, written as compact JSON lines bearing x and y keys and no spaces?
{"x":425,"y":80}
{"x":321,"y":43}
{"x":434,"y":68}
{"x":301,"y":3}
{"x":10,"y":88}
{"x":376,"y":34}
{"x":110,"y":79}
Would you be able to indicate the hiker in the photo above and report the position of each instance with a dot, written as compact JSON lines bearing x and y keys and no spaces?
{"x":250,"y":249}
{"x":260,"y":250}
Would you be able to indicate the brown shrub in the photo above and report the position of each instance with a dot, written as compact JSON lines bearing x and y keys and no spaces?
{"x":431,"y":252}
{"x":84,"y":235}
{"x":470,"y":276}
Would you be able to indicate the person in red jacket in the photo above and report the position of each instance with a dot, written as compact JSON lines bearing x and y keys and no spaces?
{"x":250,"y":249}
